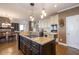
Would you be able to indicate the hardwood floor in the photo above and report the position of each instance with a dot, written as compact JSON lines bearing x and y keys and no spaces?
{"x":11,"y":48}
{"x":65,"y":50}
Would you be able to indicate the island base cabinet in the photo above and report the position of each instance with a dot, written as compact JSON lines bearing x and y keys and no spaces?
{"x":48,"y":49}
{"x":53,"y":47}
{"x":23,"y":47}
{"x":28,"y":51}
{"x":29,"y":47}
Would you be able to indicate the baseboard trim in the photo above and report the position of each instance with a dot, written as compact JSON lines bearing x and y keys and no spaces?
{"x":62,"y":43}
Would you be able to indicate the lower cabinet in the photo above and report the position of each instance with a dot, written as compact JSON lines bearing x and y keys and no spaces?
{"x":27,"y":50}
{"x":35,"y":51}
{"x":22,"y":47}
{"x":48,"y":49}
{"x":29,"y":47}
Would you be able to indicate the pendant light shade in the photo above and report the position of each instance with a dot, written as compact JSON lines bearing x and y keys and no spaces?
{"x":44,"y":14}
{"x":32,"y":17}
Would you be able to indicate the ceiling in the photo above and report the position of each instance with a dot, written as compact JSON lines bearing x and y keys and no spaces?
{"x":23,"y":10}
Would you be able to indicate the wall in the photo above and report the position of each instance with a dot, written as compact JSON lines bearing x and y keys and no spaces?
{"x":46,"y":23}
{"x":63,"y":15}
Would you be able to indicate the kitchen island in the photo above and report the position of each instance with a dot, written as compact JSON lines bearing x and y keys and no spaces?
{"x":34,"y":45}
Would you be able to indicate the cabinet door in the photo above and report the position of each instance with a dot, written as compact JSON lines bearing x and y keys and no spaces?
{"x":53,"y":47}
{"x":22,"y":44}
{"x":35,"y":51}
{"x":29,"y":51}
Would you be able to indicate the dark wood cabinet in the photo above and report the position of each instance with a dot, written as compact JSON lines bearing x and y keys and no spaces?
{"x":28,"y":51}
{"x":24,"y":45}
{"x":30,"y":47}
{"x":48,"y":49}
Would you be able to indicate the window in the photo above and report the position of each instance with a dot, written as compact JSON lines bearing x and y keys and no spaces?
{"x":21,"y":27}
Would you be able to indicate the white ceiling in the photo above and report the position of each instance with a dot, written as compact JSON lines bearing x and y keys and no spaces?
{"x":23,"y":10}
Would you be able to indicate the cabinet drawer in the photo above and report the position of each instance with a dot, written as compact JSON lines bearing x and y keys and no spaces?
{"x":35,"y":45}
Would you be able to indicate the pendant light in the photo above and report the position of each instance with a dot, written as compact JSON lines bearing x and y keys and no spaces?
{"x":44,"y":14}
{"x":31,"y":16}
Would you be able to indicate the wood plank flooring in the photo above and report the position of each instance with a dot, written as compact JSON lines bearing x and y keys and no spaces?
{"x":65,"y":50}
{"x":11,"y":48}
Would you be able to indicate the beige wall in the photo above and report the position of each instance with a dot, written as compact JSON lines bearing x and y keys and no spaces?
{"x":63,"y":15}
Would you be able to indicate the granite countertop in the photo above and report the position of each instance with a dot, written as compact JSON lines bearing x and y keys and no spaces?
{"x":39,"y":40}
{"x":42,"y":40}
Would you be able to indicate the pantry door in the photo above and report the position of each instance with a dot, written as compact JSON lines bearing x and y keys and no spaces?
{"x":72,"y":31}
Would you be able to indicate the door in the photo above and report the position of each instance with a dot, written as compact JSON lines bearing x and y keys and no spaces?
{"x":72,"y":31}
